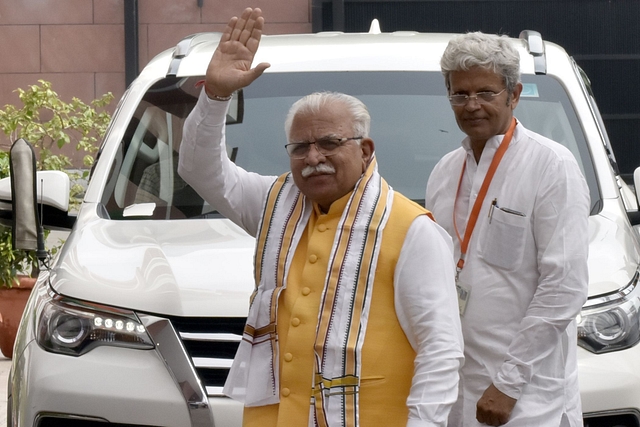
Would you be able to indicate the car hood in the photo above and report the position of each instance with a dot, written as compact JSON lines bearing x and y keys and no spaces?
{"x":613,"y":250}
{"x":205,"y":267}
{"x":200,"y":267}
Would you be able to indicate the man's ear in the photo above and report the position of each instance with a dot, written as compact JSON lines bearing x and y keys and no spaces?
{"x":515,"y":95}
{"x":367,"y":147}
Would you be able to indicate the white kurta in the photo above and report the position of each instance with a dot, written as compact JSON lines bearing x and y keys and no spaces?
{"x":427,"y":314}
{"x":526,"y":272}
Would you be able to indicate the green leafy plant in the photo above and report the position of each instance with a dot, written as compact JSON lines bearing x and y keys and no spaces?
{"x":49,"y":124}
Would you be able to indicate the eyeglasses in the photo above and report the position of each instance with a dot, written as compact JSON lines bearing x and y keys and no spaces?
{"x":480,"y":97}
{"x":325,"y":146}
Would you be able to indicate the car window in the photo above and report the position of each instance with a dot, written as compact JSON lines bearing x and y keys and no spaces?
{"x":412,"y":126}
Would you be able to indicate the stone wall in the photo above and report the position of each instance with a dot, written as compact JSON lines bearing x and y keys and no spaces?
{"x":78,"y":45}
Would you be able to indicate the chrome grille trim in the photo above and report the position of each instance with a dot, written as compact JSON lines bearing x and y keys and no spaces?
{"x":211,"y":362}
{"x":173,"y":353}
{"x":211,"y":344}
{"x":210,"y":337}
{"x":215,"y":392}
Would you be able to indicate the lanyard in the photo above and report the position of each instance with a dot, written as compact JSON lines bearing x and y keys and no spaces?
{"x":473,"y":217}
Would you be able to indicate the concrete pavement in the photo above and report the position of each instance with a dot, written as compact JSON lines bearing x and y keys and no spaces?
{"x":5,"y":365}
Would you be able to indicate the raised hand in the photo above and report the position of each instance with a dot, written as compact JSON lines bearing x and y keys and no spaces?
{"x":230,"y":66}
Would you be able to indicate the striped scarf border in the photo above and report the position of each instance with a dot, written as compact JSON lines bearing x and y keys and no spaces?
{"x":254,"y":375}
{"x":345,"y":303}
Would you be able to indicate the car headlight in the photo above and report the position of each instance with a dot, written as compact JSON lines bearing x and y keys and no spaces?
{"x":73,"y":327}
{"x":611,"y":322}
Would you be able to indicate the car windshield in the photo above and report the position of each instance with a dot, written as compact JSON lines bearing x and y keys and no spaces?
{"x":411,"y":123}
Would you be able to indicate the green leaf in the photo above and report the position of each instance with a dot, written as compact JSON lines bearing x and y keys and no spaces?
{"x":76,"y":123}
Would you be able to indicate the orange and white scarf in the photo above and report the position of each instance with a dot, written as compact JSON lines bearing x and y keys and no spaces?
{"x":344,"y":306}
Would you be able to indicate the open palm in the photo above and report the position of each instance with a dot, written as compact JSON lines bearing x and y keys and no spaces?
{"x":230,"y":66}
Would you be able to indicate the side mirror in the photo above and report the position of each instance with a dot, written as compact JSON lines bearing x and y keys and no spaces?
{"x":28,"y":233}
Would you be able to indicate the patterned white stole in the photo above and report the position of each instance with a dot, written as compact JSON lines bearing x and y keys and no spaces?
{"x":344,"y":306}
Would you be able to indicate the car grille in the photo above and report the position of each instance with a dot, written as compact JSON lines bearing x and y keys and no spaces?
{"x":212,"y":343}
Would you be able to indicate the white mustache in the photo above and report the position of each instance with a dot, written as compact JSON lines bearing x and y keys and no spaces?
{"x":322,"y":168}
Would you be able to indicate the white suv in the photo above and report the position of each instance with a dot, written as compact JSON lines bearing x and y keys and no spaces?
{"x":139,"y":318}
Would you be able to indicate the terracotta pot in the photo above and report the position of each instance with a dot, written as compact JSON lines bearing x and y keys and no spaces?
{"x":12,"y":303}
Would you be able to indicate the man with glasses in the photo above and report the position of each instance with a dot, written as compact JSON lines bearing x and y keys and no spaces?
{"x":517,"y":207}
{"x":354,"y":317}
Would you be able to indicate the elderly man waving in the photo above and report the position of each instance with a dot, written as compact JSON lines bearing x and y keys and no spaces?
{"x":354,"y":318}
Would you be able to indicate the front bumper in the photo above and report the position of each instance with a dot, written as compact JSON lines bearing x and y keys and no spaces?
{"x":610,"y":387}
{"x":116,"y":385}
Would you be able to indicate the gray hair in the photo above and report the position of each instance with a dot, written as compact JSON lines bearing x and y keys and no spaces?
{"x":314,"y":102}
{"x":490,"y":51}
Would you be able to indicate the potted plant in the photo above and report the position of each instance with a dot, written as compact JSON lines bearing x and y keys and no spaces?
{"x":49,"y":124}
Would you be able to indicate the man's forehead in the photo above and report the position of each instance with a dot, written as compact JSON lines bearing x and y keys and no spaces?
{"x":324,"y":122}
{"x":476,"y":71}
{"x":474,"y":76}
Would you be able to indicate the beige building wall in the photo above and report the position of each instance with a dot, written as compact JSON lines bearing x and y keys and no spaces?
{"x":78,"y":45}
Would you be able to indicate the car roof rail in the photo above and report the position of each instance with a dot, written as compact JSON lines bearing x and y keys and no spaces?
{"x":535,"y":46}
{"x":184,"y":47}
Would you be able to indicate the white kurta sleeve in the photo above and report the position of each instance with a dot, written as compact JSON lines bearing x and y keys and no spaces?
{"x":427,"y":308}
{"x":205,"y":166}
{"x":560,"y":229}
